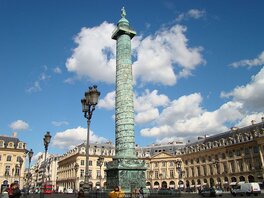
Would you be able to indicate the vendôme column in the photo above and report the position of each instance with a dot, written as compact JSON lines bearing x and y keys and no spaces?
{"x":125,"y":170}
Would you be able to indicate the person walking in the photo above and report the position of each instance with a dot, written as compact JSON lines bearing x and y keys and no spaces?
{"x":141,"y":192}
{"x":14,"y":191}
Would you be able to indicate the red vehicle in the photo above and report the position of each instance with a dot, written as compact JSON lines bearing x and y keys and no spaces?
{"x":47,"y":189}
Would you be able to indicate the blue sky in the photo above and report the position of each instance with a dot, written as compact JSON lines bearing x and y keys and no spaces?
{"x":197,"y":65}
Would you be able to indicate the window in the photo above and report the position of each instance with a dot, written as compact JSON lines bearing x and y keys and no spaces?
{"x":246,"y":151}
{"x":98,"y":174}
{"x":82,"y":173}
{"x":90,"y":173}
{"x":1,"y":143}
{"x":9,"y":158}
{"x":0,"y":157}
{"x":18,"y":158}
{"x":255,"y":149}
{"x":90,"y":162}
{"x":20,"y":145}
{"x":156,"y":164}
{"x":205,"y":172}
{"x":171,"y":174}
{"x":223,"y":156}
{"x":238,"y":153}
{"x":186,"y":162}
{"x":82,"y":162}
{"x":198,"y":171}
{"x":7,"y":170}
{"x":156,"y":174}
{"x":163,"y":164}
{"x":10,"y":144}
{"x":171,"y":163}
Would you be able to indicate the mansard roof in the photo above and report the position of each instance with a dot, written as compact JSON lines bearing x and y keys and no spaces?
{"x":8,"y":139}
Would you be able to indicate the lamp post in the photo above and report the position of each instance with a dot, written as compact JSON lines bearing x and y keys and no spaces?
{"x":89,"y":102}
{"x":151,"y":175}
{"x":179,"y":169}
{"x":46,"y":140}
{"x":30,"y":155}
{"x":20,"y":170}
{"x":100,"y":162}
{"x":76,"y":167}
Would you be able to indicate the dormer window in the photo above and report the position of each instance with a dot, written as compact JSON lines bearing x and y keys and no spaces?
{"x":1,"y":143}
{"x":11,"y":145}
{"x":20,"y":145}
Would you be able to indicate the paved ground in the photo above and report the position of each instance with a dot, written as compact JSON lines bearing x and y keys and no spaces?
{"x":191,"y":195}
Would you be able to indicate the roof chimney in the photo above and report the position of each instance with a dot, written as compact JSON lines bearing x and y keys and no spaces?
{"x":14,"y":134}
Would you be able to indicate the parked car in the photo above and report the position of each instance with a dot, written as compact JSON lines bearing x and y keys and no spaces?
{"x":219,"y":192}
{"x":246,"y":189}
{"x":208,"y":192}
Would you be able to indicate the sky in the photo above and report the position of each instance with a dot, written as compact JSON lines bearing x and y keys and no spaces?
{"x":197,"y":68}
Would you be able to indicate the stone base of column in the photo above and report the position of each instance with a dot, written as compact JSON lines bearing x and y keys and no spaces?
{"x":128,"y":174}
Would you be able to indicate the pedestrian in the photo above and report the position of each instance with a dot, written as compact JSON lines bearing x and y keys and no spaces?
{"x":5,"y":193}
{"x":14,"y":191}
{"x":141,"y":192}
{"x":81,"y":193}
{"x":116,"y":193}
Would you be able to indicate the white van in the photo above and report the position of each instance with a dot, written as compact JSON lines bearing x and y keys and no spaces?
{"x":246,"y":189}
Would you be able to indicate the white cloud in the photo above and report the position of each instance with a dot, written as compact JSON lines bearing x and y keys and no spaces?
{"x":94,"y":56}
{"x":19,"y":125}
{"x":70,"y":138}
{"x":250,"y":63}
{"x":149,"y":100}
{"x":185,"y":117}
{"x":43,"y":77}
{"x":59,"y":123}
{"x":34,"y":88}
{"x":145,"y":105}
{"x":57,"y":70}
{"x":108,"y":102}
{"x":168,"y":51}
{"x":147,"y":115}
{"x":191,"y":14}
{"x":248,"y":118}
{"x":251,"y":95}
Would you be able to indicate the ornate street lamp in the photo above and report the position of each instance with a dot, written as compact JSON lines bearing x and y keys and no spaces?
{"x":30,"y":155}
{"x":179,"y":169}
{"x":76,"y":167}
{"x":20,"y":170}
{"x":150,"y":176}
{"x":46,"y":141}
{"x":89,"y":102}
{"x":100,"y":162}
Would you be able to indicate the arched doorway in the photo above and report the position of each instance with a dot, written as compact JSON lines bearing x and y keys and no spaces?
{"x":164,"y":184}
{"x":156,"y":185}
{"x":181,"y":185}
{"x":233,"y":181}
{"x":97,"y":185}
{"x":148,"y":185}
{"x":251,"y":178}
{"x":242,"y":179}
{"x":219,"y":183}
{"x":172,"y":184}
{"x":198,"y":184}
{"x":212,"y":182}
{"x":187,"y":184}
{"x":205,"y":183}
